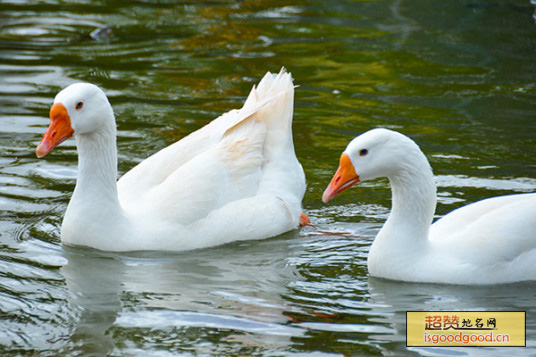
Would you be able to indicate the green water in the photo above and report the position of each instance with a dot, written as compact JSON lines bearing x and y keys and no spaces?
{"x":457,"y":76}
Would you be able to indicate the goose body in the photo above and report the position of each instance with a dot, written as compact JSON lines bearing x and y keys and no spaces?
{"x":486,"y":242}
{"x":237,"y":178}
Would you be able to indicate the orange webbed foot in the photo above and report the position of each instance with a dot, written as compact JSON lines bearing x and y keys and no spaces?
{"x":304,"y":220}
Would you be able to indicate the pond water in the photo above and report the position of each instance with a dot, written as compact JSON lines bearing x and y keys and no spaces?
{"x":457,"y":76}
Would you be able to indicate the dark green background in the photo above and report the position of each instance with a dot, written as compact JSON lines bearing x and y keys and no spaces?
{"x":457,"y":76}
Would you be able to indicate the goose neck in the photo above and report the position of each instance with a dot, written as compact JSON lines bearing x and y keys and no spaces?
{"x":413,"y":204}
{"x":97,"y":164}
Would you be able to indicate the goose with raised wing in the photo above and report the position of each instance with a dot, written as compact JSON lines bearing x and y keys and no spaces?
{"x":236,"y":178}
{"x":487,"y":242}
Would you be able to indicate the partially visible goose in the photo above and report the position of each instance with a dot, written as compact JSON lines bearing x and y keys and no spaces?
{"x":237,"y":178}
{"x":487,"y":242}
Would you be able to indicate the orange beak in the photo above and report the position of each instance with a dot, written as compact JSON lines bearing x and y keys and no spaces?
{"x":58,"y":131}
{"x":344,"y":178}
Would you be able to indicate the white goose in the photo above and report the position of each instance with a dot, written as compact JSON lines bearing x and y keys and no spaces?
{"x":487,"y":242}
{"x":237,"y":178}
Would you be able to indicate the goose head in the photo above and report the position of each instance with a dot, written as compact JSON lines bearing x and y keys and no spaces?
{"x":81,"y":108}
{"x":376,"y":153}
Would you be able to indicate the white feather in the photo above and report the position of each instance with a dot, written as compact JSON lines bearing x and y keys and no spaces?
{"x":487,"y":242}
{"x":236,"y":178}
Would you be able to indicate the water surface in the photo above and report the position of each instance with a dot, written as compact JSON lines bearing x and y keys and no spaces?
{"x":457,"y":76}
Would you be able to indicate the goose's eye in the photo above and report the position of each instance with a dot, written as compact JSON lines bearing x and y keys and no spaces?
{"x":79,"y":105}
{"x":363,"y":152}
